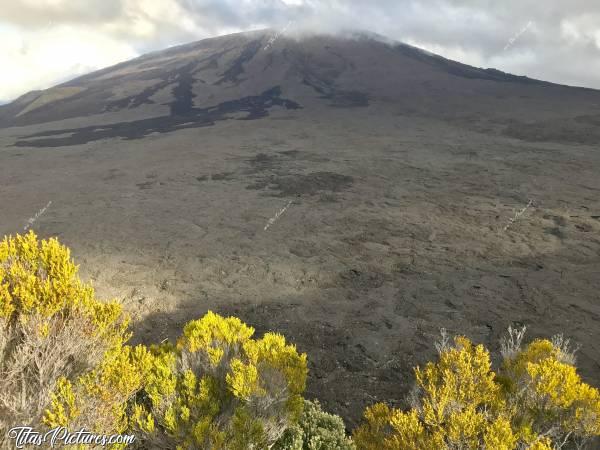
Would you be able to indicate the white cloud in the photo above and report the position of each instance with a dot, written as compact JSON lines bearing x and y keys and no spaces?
{"x":46,"y":41}
{"x":40,"y":59}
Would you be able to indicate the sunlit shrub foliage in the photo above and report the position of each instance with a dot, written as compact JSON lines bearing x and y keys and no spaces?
{"x":536,"y":400}
{"x":219,"y":388}
{"x":64,"y":362}
{"x":55,"y":336}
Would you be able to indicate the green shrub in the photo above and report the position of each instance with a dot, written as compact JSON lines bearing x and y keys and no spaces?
{"x":316,"y":430}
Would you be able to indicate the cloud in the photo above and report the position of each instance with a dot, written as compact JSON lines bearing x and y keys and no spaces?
{"x":38,"y":13}
{"x":40,"y":59}
{"x":46,"y":41}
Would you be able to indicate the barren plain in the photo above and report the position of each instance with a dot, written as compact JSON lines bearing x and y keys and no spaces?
{"x":401,"y":172}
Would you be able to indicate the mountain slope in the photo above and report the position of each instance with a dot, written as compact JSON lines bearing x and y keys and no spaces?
{"x":353,"y":194}
{"x":248,"y":74}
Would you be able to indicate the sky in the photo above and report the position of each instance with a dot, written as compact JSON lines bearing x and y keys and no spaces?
{"x":46,"y":42}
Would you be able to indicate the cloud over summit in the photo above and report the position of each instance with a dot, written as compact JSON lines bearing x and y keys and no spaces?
{"x":47,"y":41}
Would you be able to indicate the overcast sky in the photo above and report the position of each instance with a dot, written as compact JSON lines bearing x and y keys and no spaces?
{"x":45,"y":42}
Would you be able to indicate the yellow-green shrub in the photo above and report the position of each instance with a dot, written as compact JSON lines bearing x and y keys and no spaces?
{"x":38,"y":278}
{"x":54,"y":334}
{"x":100,"y":399}
{"x":546,"y":395}
{"x":220,"y":389}
{"x":537,"y":401}
{"x":64,"y":362}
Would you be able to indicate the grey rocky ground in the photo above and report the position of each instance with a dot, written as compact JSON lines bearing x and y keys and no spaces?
{"x":401,"y":188}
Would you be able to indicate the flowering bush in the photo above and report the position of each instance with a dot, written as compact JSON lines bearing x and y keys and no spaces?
{"x":545,"y":395}
{"x":54,"y":336}
{"x":536,"y":401}
{"x":64,"y":362}
{"x":220,"y":389}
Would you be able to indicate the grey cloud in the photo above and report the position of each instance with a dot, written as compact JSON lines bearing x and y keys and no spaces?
{"x":479,"y":29}
{"x":232,"y":13}
{"x":36,"y":14}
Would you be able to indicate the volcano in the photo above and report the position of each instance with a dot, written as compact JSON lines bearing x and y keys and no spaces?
{"x":352,"y":193}
{"x":246,"y":75}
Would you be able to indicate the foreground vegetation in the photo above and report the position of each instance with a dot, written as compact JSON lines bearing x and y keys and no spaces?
{"x":64,"y":361}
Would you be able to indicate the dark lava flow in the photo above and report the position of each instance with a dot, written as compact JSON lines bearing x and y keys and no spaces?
{"x":183,"y":116}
